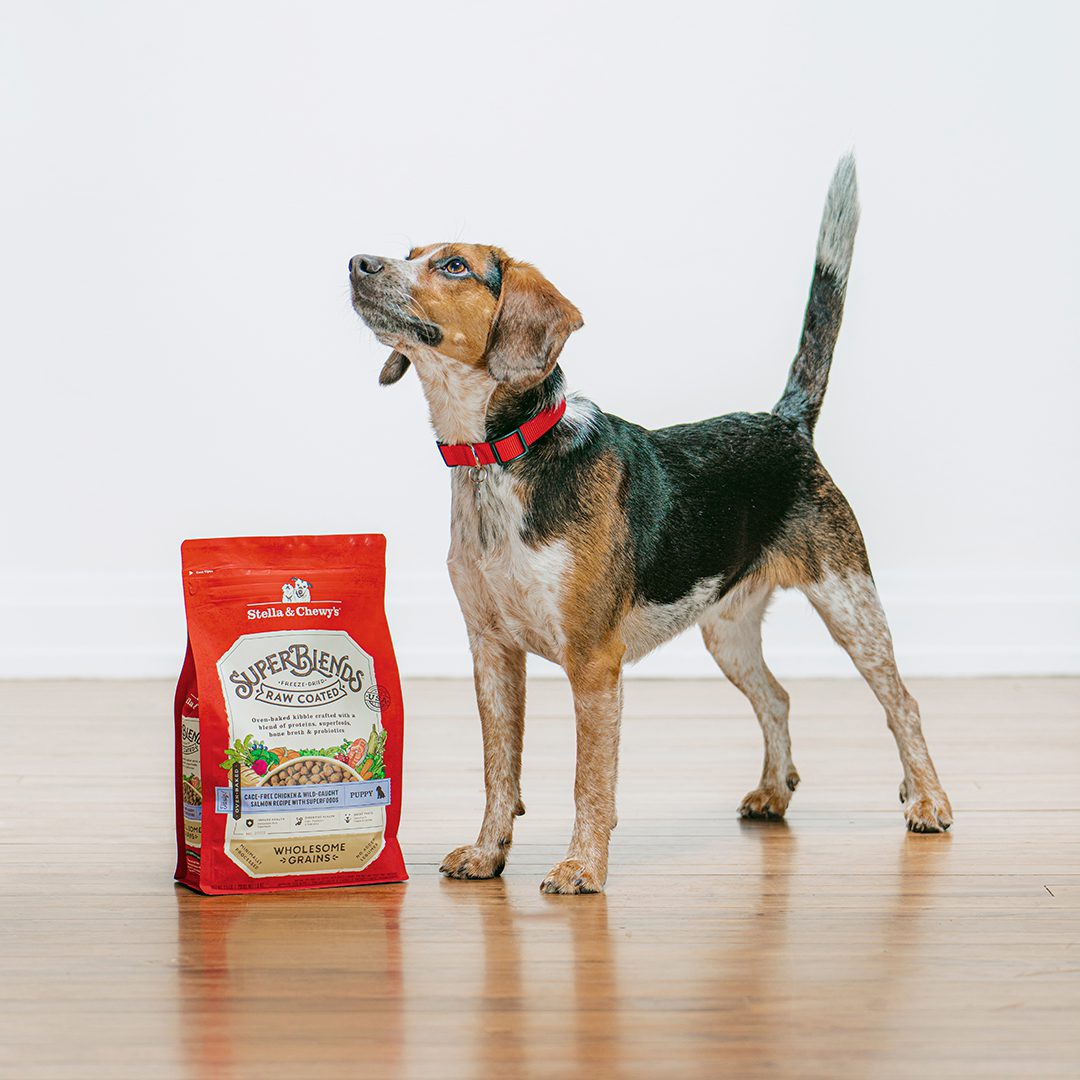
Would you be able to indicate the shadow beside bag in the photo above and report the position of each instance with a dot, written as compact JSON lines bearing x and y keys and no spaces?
{"x":288,"y":716}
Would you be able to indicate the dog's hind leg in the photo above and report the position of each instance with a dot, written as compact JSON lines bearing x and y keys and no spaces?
{"x":848,"y":603}
{"x":732,"y":633}
{"x":499,"y":675}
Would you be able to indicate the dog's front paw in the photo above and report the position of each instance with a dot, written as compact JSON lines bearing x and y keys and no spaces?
{"x":571,"y":877}
{"x":768,"y":803}
{"x":928,"y":811}
{"x":474,"y":863}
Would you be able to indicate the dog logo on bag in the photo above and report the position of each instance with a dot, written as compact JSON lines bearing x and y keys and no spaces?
{"x":297,"y":591}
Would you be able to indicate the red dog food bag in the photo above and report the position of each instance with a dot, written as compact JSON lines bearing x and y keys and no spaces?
{"x":288,"y":716}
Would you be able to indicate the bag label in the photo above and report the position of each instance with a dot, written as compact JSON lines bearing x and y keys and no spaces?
{"x":190,"y":779}
{"x":262,"y":800}
{"x":306,"y":744}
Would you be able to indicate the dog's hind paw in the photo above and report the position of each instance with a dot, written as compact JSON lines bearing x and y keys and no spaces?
{"x":928,"y":812}
{"x":474,"y":863}
{"x":767,"y":804}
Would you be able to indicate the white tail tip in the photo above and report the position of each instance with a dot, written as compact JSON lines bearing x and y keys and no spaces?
{"x":836,"y":241}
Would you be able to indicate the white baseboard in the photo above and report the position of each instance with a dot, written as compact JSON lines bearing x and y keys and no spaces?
{"x":132,"y":626}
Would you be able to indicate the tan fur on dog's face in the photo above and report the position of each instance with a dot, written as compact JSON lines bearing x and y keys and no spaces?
{"x":468,"y":302}
{"x":461,"y":304}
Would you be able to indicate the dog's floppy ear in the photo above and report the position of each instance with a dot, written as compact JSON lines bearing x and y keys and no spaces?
{"x":531,"y":325}
{"x":396,"y":365}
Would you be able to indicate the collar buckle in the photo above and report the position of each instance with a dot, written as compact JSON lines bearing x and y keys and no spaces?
{"x":494,"y":444}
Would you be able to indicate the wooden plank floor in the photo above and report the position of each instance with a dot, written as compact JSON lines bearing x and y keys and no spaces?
{"x":833,"y":945}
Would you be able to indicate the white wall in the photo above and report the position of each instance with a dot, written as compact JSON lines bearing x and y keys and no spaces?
{"x":182,"y":185}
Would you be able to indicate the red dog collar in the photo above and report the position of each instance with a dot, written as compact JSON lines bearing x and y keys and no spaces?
{"x":509,"y":447}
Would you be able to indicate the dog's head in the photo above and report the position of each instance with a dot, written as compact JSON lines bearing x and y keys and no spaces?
{"x":467,"y":302}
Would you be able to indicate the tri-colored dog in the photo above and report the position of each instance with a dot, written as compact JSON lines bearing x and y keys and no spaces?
{"x":588,"y":540}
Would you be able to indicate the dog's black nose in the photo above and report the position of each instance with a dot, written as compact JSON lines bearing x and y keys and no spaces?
{"x":364,"y":264}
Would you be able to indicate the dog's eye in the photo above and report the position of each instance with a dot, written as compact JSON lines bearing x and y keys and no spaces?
{"x":456,"y":267}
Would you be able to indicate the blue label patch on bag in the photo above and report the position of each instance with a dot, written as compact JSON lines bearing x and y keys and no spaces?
{"x":273,"y":800}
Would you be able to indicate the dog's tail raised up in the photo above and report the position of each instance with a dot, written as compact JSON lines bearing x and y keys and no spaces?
{"x":809,"y":375}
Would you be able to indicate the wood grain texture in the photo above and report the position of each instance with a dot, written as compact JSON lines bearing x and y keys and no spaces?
{"x":832,"y":945}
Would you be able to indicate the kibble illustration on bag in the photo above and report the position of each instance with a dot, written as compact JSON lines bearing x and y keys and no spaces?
{"x":288,"y":716}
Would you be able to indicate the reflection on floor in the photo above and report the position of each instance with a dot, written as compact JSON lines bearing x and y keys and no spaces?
{"x":834,"y":944}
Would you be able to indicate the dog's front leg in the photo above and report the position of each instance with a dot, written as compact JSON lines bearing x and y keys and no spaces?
{"x":596,"y":680}
{"x":499,"y":674}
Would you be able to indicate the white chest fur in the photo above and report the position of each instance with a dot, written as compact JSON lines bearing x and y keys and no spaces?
{"x":502,"y":583}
